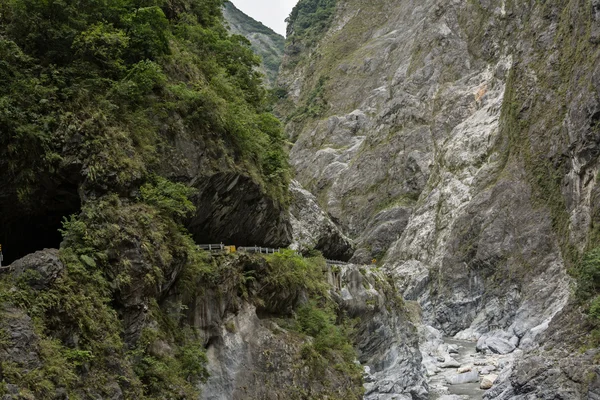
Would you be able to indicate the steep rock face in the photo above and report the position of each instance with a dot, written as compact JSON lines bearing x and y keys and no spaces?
{"x":22,"y":347}
{"x":461,"y":138}
{"x":556,"y":376}
{"x":386,"y":338}
{"x":232,"y":204}
{"x":39,"y":269}
{"x":250,"y":360}
{"x":268,"y":44}
{"x":251,"y":357}
{"x":556,"y":371}
{"x":232,"y":208}
{"x":313,"y":229}
{"x":253,"y":349}
{"x":392,"y":101}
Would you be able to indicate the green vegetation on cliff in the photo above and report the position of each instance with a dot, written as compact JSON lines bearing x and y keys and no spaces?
{"x":537,"y":135}
{"x":115,"y":318}
{"x":588,"y":291}
{"x":94,"y":97}
{"x":118,"y":255}
{"x":268,"y":44}
{"x":290,"y":277}
{"x":328,"y":354}
{"x":309,"y":19}
{"x":100,"y":87}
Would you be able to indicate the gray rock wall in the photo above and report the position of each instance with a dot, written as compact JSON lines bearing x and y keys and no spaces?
{"x":386,"y":338}
{"x":461,"y":139}
{"x":252,"y":357}
{"x":233,"y":208}
{"x":312,"y":228}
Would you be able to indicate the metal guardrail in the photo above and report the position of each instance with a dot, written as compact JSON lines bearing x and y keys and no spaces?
{"x":212,"y":247}
{"x":334,"y":262}
{"x":253,"y":249}
{"x":257,"y":249}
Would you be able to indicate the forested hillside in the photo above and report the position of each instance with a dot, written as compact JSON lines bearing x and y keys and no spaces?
{"x":266,"y":43}
{"x":119,"y":121}
{"x":448,"y":150}
{"x":96,"y":97}
{"x":107,"y":78}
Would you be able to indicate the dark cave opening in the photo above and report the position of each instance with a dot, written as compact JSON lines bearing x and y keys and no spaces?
{"x":27,"y":229}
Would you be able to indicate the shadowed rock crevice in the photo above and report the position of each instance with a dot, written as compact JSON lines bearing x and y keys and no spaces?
{"x":232,"y":208}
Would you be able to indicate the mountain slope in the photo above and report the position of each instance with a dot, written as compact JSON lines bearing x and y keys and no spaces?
{"x":129,"y":134}
{"x":268,"y":44}
{"x":458,"y":142}
{"x":126,"y":131}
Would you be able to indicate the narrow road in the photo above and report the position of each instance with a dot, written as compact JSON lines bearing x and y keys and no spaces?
{"x":221,"y":248}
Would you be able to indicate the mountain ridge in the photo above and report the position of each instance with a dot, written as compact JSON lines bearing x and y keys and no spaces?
{"x":265,"y":42}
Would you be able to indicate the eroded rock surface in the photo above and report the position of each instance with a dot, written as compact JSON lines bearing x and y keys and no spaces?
{"x":39,"y":269}
{"x":312,"y":228}
{"x":252,"y":357}
{"x":461,"y":139}
{"x":386,"y":338}
{"x":233,"y":208}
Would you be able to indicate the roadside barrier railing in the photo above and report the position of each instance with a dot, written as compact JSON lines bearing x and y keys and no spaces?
{"x":335,"y":262}
{"x":212,"y":247}
{"x":257,"y":249}
{"x":220,"y":247}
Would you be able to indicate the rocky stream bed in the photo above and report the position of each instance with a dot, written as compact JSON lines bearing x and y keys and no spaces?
{"x":456,"y":371}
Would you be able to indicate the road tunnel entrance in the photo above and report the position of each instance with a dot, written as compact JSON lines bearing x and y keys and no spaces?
{"x":25,"y":229}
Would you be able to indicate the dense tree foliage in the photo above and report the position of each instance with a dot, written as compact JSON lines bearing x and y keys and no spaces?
{"x":309,"y":19}
{"x":93,"y":84}
{"x":116,"y":247}
{"x":92,"y":94}
{"x":268,"y":44}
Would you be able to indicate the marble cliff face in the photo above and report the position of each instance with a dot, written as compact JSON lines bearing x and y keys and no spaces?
{"x":448,"y":149}
{"x":457,"y":142}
